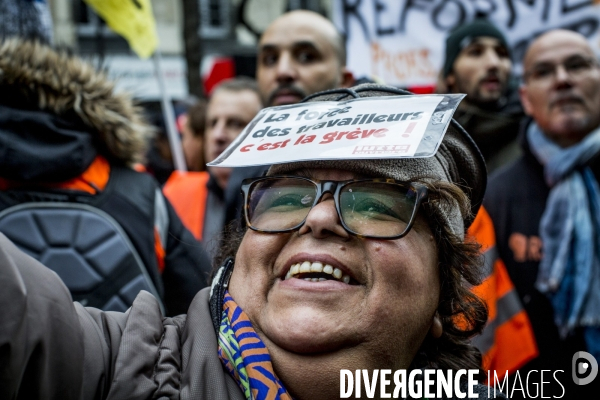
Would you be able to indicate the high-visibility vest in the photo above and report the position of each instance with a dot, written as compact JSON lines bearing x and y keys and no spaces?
{"x":92,"y":180}
{"x":188,"y":193}
{"x":507,"y":341}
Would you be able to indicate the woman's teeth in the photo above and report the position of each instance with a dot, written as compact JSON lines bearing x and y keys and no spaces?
{"x":307,"y":267}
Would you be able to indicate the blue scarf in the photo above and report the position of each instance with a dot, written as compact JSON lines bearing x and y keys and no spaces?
{"x":569,"y":271}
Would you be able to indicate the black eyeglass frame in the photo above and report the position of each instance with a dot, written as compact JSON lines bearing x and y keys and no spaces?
{"x":335,"y":188}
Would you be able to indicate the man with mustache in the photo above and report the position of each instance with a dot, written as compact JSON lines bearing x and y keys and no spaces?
{"x":545,"y":206}
{"x":478,"y":63}
{"x":299,"y":54}
{"x":199,"y":197}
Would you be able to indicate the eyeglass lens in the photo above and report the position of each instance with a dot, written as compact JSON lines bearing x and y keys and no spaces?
{"x":280,"y":204}
{"x":374,"y":209}
{"x":377,"y":208}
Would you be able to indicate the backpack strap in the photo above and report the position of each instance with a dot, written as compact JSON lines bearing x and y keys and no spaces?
{"x":161,"y":228}
{"x":149,"y":197}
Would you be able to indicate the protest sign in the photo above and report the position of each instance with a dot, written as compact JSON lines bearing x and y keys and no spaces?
{"x":390,"y":127}
{"x":402,"y":42}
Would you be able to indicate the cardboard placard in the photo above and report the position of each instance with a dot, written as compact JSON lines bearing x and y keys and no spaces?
{"x":382,"y":127}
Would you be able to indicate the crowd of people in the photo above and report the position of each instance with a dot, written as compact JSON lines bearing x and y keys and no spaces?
{"x":491,"y":261}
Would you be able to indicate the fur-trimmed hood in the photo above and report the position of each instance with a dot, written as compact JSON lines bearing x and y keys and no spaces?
{"x":55,"y":83}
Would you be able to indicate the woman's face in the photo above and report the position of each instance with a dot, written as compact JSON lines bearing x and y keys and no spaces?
{"x":379,"y":320}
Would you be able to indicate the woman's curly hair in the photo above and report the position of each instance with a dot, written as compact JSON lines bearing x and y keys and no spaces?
{"x":462,"y":313}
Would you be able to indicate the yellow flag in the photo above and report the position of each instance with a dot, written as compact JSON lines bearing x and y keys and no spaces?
{"x":132,"y":19}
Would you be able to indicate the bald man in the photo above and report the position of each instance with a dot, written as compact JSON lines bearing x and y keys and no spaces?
{"x":300,"y":53}
{"x":546,"y":207}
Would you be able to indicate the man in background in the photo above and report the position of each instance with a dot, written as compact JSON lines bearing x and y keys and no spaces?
{"x":192,"y":125}
{"x":299,"y":54}
{"x":478,"y":63}
{"x":199,"y":197}
{"x":545,"y":206}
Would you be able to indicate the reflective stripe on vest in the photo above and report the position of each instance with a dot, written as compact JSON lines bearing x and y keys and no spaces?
{"x":187,"y":193}
{"x":507,"y":342}
{"x":161,"y":229}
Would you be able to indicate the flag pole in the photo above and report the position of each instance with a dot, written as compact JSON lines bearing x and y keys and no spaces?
{"x":134,"y":21}
{"x":169,"y":116}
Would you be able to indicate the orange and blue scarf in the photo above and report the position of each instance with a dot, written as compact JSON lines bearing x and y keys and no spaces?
{"x":246,"y":357}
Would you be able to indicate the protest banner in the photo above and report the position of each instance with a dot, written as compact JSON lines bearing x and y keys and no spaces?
{"x":395,"y":126}
{"x":402,"y":42}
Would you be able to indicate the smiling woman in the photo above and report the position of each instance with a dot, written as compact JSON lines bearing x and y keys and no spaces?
{"x":343,"y":265}
{"x":359,"y":264}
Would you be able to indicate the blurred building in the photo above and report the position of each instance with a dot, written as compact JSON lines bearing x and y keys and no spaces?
{"x":215,"y":36}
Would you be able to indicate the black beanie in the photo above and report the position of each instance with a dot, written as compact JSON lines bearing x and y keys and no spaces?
{"x":462,"y":36}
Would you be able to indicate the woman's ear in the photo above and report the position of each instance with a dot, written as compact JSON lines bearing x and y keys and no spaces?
{"x":436,"y":328}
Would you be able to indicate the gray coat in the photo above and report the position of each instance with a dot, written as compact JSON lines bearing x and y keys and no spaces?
{"x":52,"y":348}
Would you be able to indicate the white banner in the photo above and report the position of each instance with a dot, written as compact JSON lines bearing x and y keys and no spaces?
{"x":390,"y":127}
{"x":138,"y":77}
{"x":402,"y":42}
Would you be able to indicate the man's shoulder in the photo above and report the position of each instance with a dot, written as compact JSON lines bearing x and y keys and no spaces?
{"x":509,"y":185}
{"x":507,"y":176}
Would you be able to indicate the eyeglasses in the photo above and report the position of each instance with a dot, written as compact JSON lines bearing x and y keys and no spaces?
{"x":575,"y":67}
{"x":370,"y":208}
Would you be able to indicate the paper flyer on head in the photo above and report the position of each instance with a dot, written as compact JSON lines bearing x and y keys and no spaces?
{"x":364,"y":128}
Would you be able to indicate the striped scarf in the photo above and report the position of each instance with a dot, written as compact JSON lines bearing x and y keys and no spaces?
{"x":569,"y":272}
{"x":245,"y":356}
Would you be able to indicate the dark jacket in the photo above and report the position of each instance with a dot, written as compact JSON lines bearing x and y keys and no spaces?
{"x":57,"y":115}
{"x":515,"y":199}
{"x":51,"y":348}
{"x":494,"y":129}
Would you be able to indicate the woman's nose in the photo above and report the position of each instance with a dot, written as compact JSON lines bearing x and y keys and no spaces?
{"x":323,"y":220}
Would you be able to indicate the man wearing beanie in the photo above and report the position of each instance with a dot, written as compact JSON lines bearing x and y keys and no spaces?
{"x":477,"y":63}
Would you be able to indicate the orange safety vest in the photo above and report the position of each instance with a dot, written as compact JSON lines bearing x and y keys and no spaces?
{"x":187,"y":193}
{"x":92,"y":180}
{"x":507,"y":341}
